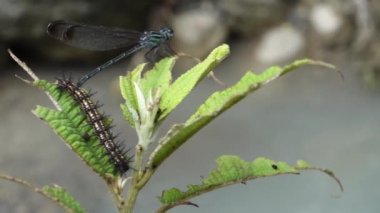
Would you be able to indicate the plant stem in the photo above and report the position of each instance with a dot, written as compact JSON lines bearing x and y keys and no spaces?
{"x":131,"y":200}
{"x":118,"y":196}
{"x":134,"y":189}
{"x":145,"y":178}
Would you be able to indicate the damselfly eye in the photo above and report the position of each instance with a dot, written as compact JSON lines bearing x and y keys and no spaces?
{"x":168,"y":32}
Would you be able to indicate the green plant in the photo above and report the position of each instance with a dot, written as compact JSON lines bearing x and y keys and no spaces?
{"x":149,"y":99}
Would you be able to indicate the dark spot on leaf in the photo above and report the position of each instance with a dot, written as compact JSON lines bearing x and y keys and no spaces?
{"x":274,"y":166}
{"x":86,"y":137}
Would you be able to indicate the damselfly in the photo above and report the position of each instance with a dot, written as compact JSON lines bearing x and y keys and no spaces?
{"x":101,"y":38}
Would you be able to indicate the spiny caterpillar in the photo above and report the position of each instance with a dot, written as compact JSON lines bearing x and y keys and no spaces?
{"x":96,"y":120}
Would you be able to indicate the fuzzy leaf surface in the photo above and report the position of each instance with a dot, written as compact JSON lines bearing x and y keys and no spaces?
{"x":229,"y":170}
{"x":159,"y":77}
{"x":128,"y":92}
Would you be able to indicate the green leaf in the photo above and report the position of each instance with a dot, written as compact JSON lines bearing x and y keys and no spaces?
{"x":54,"y":193}
{"x":230,"y":170}
{"x":128,"y":91}
{"x":159,"y":77}
{"x":129,"y":113}
{"x":216,"y":104}
{"x":64,"y":199}
{"x":177,"y":91}
{"x":301,"y":164}
{"x":71,"y":125}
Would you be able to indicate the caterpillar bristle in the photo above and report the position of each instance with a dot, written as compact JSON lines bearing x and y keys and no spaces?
{"x":113,"y":137}
{"x":98,"y":104}
{"x":92,"y":93}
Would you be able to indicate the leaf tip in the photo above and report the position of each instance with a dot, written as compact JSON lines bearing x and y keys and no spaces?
{"x":221,"y":51}
{"x":301,"y":164}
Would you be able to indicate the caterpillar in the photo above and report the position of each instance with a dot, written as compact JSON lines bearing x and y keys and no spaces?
{"x":96,"y":119}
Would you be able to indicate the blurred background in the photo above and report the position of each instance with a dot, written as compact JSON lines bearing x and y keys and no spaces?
{"x":310,"y":114}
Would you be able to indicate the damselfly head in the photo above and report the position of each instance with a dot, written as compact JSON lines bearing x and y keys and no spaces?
{"x":167,"y":32}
